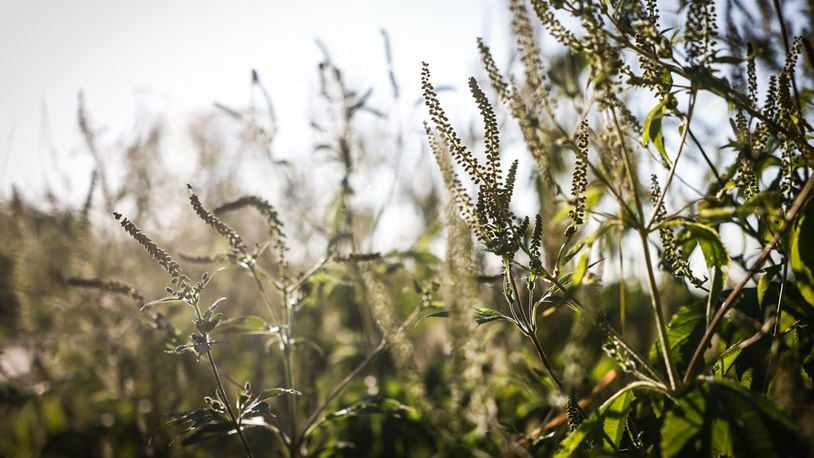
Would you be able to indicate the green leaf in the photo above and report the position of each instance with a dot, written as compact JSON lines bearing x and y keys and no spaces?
{"x":684,"y":331}
{"x":725,"y":361}
{"x":247,"y":325}
{"x":438,"y":314}
{"x":757,"y":426}
{"x":163,"y":301}
{"x":801,"y":246}
{"x":651,"y":129}
{"x":582,"y":268}
{"x":710,"y":242}
{"x":765,"y":282}
{"x":384,"y":406}
{"x":485,"y":315}
{"x":610,"y":418}
{"x":274,"y":392}
{"x":614,"y":418}
{"x":683,"y":424}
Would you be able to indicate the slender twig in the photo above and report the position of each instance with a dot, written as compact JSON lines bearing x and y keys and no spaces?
{"x":235,"y":419}
{"x":526,"y":323}
{"x":622,"y":314}
{"x":788,"y":219}
{"x":266,"y":299}
{"x":309,"y":273}
{"x":776,"y":326}
{"x":780,"y":295}
{"x":546,"y":363}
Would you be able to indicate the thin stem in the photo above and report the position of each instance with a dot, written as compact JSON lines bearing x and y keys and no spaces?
{"x":788,"y":219}
{"x":287,"y":330}
{"x":235,"y":419}
{"x":266,"y":298}
{"x":779,"y":309}
{"x":526,"y":324}
{"x":546,"y":362}
{"x":622,"y":203}
{"x":225,"y":398}
{"x":622,"y":313}
{"x":776,"y":325}
{"x":674,"y":165}
{"x":309,"y":273}
{"x":655,"y":298}
{"x":700,"y":147}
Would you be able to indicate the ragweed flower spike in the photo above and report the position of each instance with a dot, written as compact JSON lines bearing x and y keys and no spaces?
{"x":235,"y":242}
{"x":579,"y":181}
{"x":111,"y":286}
{"x":275,"y":226}
{"x":489,"y":213}
{"x":159,"y":254}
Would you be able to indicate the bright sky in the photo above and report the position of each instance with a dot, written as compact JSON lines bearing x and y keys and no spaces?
{"x":176,"y":57}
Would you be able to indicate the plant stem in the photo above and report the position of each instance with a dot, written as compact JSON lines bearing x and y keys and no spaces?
{"x":674,"y":165}
{"x":288,"y":372}
{"x":655,"y":298}
{"x":546,"y":362}
{"x":235,"y":419}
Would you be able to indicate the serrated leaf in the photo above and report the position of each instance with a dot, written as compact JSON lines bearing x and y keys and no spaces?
{"x":725,"y":361}
{"x":684,"y":331}
{"x":485,"y":315}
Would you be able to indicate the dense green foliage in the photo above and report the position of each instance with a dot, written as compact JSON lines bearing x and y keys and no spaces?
{"x":660,"y":301}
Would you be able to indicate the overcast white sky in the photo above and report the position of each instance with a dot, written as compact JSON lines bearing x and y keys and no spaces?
{"x":177,"y":57}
